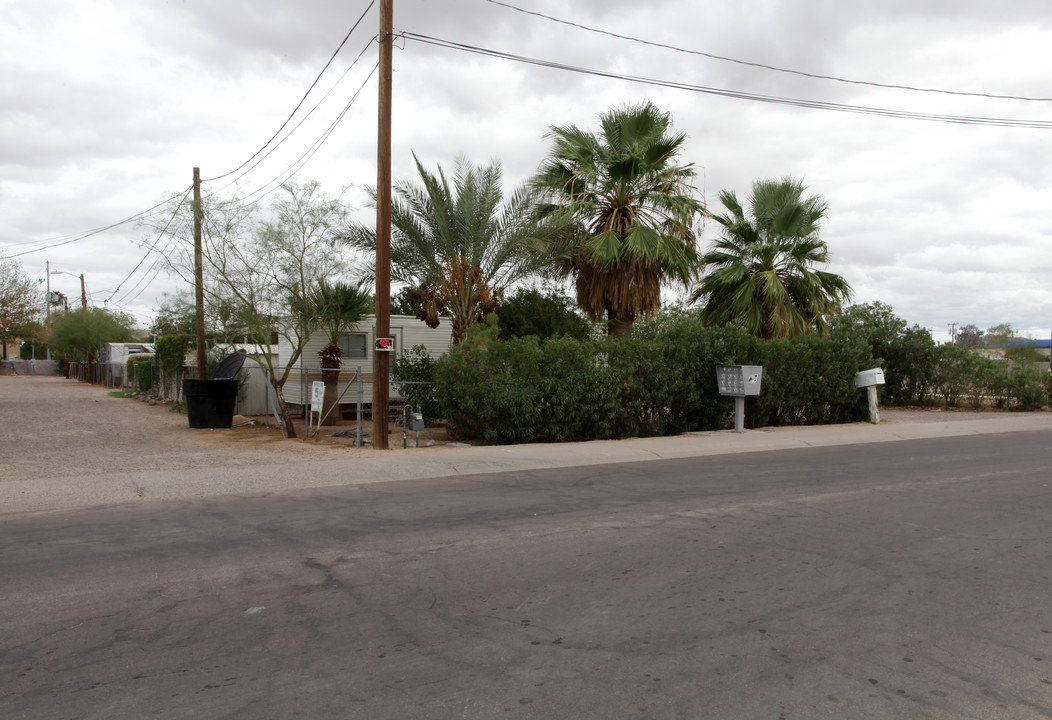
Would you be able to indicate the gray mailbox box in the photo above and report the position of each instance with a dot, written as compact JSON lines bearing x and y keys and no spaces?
{"x":738,"y":381}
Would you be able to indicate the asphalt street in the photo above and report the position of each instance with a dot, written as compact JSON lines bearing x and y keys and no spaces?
{"x":903,"y":579}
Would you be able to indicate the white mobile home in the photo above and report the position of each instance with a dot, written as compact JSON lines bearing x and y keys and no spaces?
{"x":115,"y":359}
{"x":358,"y":345}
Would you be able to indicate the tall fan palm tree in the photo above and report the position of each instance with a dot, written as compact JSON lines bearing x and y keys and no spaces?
{"x":459,"y":246}
{"x":337,"y":306}
{"x":628,"y":212}
{"x":761,"y":274}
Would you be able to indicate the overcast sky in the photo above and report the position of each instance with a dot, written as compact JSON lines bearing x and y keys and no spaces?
{"x":109,"y":105}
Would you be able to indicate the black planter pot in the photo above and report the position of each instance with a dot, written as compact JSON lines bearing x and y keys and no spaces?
{"x":210,"y":403}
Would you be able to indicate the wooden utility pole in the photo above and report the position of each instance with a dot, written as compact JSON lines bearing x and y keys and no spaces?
{"x":382,"y":360}
{"x":199,"y":278}
{"x":90,"y":374}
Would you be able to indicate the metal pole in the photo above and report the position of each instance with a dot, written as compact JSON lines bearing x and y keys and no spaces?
{"x":739,"y":413}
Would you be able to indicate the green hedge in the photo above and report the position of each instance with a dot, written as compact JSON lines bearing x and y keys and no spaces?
{"x":142,"y":367}
{"x":660,"y":382}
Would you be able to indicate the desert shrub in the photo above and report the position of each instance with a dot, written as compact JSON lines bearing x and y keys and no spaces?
{"x":651,"y":388}
{"x":1027,"y":388}
{"x":170,"y":351}
{"x":141,"y":367}
{"x":955,"y":371}
{"x":413,"y":366}
{"x":695,"y":351}
{"x":810,"y":380}
{"x":580,"y":398}
{"x":907,"y":354}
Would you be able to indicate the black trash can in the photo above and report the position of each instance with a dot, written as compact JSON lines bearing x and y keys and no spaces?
{"x":210,"y":403}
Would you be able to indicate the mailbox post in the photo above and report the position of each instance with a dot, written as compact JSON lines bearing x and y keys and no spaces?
{"x":870,"y":379}
{"x":738,"y":381}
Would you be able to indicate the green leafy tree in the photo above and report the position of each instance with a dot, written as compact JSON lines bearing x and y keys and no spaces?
{"x":546,"y":315}
{"x":459,"y":244}
{"x":176,"y":315}
{"x":968,"y":336}
{"x":762,"y":274}
{"x":21,"y":304}
{"x":627,"y":212}
{"x":78,"y":334}
{"x":403,"y":303}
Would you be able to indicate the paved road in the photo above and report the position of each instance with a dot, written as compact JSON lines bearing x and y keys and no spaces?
{"x":896,"y":580}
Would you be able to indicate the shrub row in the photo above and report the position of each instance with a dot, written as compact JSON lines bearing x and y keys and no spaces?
{"x":662,"y":381}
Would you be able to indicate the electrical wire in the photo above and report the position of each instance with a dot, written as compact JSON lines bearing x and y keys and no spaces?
{"x":311,"y":151}
{"x":72,"y":238}
{"x":305,"y":117}
{"x":149,"y":251}
{"x":159,"y":265}
{"x":754,"y":97}
{"x":59,"y":241}
{"x":767,"y":67}
{"x":303,"y":99}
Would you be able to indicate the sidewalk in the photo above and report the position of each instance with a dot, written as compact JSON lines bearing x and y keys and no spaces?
{"x":292,"y":465}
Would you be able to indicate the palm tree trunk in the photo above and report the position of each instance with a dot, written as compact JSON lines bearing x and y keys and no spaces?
{"x":620,"y":325}
{"x":332,"y":391}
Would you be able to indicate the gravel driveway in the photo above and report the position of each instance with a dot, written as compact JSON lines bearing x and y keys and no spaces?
{"x":53,"y":427}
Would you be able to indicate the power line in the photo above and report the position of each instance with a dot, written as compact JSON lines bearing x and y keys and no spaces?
{"x":768,"y":67}
{"x":311,"y":151}
{"x":67,"y":239}
{"x":311,"y":112}
{"x":59,"y":241}
{"x":149,"y":251}
{"x":754,"y":97}
{"x":303,"y":99}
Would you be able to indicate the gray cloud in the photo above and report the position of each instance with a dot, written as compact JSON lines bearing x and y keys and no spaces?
{"x":107,"y":108}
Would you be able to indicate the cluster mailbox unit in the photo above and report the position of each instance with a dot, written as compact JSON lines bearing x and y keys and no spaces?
{"x":738,"y":381}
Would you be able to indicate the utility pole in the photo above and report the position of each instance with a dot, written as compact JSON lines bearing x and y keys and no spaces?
{"x":953,"y":331}
{"x":90,"y":374}
{"x":47,"y":323}
{"x":382,"y":360}
{"x":199,"y":278}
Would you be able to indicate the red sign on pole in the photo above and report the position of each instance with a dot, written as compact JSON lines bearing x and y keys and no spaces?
{"x":384,"y":344}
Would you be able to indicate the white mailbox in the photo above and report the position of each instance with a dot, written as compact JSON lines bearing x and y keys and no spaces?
{"x":869,"y":378}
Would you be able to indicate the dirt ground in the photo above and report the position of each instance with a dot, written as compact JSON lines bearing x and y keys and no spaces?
{"x":51,"y":426}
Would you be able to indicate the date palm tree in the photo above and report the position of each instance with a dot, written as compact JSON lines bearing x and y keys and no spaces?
{"x":627,"y":212}
{"x":458,"y":245}
{"x":762,"y":274}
